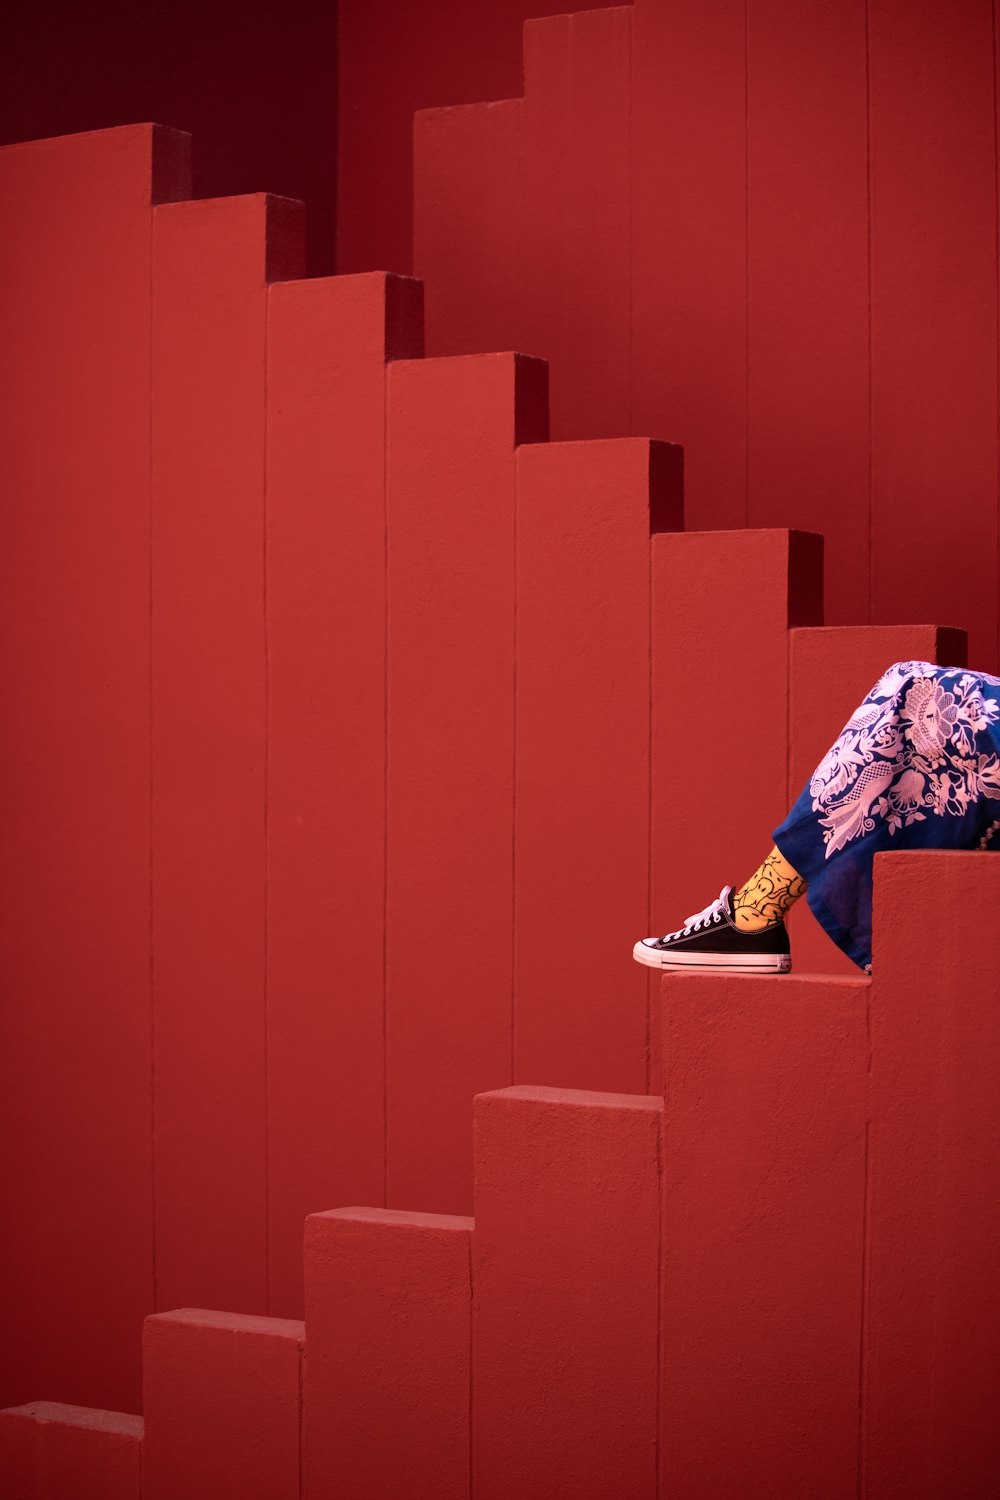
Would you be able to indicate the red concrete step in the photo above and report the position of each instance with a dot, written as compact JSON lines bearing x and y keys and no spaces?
{"x":222,"y":1399}
{"x":776,"y":1279}
{"x":521,"y":217}
{"x":763,"y":1234}
{"x":212,"y":261}
{"x":74,"y":762}
{"x":451,"y":148}
{"x":585,"y":515}
{"x":562,"y":1290}
{"x":566,"y":1294}
{"x":830,"y":1216}
{"x":453,"y":427}
{"x":931,"y":1335}
{"x":575,"y":149}
{"x":723,"y":605}
{"x":387,"y":1388}
{"x":326,"y":538}
{"x":51,"y":1451}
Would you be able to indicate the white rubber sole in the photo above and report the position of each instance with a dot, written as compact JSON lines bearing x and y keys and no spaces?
{"x":721,"y":963}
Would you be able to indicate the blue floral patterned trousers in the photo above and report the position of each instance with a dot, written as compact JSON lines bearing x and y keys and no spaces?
{"x":917,"y":766}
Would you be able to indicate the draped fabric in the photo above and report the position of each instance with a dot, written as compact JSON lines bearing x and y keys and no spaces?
{"x":917,"y":766}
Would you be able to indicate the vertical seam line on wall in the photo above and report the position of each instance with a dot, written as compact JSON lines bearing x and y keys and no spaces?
{"x":746,"y":255}
{"x":996,"y":204}
{"x":660,"y":1196}
{"x":871,"y":360}
{"x":267,"y":790}
{"x":629,"y":188}
{"x":302,"y":1414}
{"x":517,"y":480}
{"x":862,"y":1331}
{"x":650,"y":982}
{"x":524,"y":341}
{"x":472,"y":1368}
{"x":862,"y":1484}
{"x":386,"y":371}
{"x":788,"y":701}
{"x":152,"y":824}
{"x":516,"y":468}
{"x":651,"y":986}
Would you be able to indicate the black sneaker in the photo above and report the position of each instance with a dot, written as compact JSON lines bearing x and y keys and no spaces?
{"x":711,"y":940}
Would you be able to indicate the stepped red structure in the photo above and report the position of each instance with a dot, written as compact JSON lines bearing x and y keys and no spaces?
{"x":768,"y":230}
{"x":344,"y":699}
{"x":734,"y":1289}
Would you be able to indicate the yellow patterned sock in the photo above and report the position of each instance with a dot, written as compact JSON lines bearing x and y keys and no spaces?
{"x":772,"y":889}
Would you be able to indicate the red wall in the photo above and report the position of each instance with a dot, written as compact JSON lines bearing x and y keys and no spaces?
{"x":255,"y":84}
{"x":766,"y":232}
{"x":777,"y":1279}
{"x":260,"y":88}
{"x":340,"y":692}
{"x":397,"y":57}
{"x":77,"y":1252}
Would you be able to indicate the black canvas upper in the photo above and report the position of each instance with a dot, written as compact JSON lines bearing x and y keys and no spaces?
{"x":719,"y":934}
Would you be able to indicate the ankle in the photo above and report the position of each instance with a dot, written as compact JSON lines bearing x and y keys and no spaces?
{"x":749,"y":919}
{"x":764,"y":900}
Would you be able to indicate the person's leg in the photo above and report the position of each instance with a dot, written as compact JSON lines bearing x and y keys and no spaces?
{"x":772,"y":890}
{"x":916,"y":766}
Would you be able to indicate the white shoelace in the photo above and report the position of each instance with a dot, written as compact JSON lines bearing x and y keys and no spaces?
{"x":711,"y":913}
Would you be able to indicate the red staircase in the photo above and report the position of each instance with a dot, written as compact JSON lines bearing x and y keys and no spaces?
{"x":770,"y":232}
{"x":773,"y":1280}
{"x":345,"y":701}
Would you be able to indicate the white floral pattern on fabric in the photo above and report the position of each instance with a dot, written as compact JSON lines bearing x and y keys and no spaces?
{"x":902,"y":764}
